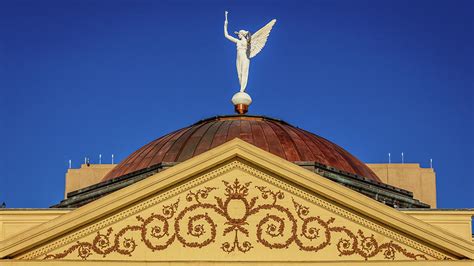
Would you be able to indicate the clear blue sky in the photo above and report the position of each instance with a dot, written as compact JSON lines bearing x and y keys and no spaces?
{"x":80,"y":78}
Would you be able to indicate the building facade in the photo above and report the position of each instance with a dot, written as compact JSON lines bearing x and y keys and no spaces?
{"x":241,"y":190}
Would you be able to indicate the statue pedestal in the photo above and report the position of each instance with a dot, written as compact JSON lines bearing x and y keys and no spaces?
{"x":241,"y":101}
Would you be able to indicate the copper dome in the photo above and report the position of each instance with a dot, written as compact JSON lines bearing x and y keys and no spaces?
{"x":274,"y":136}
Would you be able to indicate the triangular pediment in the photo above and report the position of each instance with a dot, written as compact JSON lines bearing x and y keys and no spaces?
{"x":235,"y":203}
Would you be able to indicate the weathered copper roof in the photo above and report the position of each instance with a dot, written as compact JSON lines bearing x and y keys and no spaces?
{"x":275,"y":136}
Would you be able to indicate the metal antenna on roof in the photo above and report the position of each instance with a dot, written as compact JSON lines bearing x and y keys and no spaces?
{"x":100,"y":158}
{"x":70,"y":164}
{"x":112,"y":159}
{"x":403,"y":159}
{"x":389,"y":158}
{"x":431,"y":163}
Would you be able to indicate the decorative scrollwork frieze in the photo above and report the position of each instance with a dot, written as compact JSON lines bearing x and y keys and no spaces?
{"x":199,"y":221}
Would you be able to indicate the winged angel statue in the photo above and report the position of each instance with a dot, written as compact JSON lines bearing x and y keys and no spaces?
{"x":248,"y":46}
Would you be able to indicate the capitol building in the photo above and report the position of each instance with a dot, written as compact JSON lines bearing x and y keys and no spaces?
{"x":240,"y":189}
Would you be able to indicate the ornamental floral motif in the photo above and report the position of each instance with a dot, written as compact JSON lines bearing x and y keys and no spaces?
{"x":195,"y":226}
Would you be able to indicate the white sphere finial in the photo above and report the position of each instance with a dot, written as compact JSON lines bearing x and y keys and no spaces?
{"x":241,"y":101}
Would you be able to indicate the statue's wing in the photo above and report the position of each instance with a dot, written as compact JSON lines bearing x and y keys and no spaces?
{"x":259,"y":38}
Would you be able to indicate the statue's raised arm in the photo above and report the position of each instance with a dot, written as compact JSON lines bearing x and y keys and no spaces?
{"x":226,"y":33}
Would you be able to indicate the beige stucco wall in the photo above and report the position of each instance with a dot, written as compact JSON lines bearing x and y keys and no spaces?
{"x":409,"y":176}
{"x":456,"y":221}
{"x":14,"y":221}
{"x":219,"y":263}
{"x":85,"y":176}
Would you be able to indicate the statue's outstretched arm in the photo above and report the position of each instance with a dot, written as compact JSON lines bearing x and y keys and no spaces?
{"x":226,"y":33}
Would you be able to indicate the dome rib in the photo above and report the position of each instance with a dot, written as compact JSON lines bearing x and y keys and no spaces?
{"x":158,"y":158}
{"x":151,"y":150}
{"x":246,"y":131}
{"x":330,"y":156}
{"x":148,"y":159}
{"x":234,"y":130}
{"x":307,"y":154}
{"x":206,"y":142}
{"x":287,"y":143}
{"x":340,"y":154}
{"x":300,"y":147}
{"x":173,"y":153}
{"x":274,"y":144}
{"x":128,"y":160}
{"x":221,"y":134}
{"x":259,"y":138}
{"x":142,"y":156}
{"x":188,"y":148}
{"x":274,"y":136}
{"x":317,"y":153}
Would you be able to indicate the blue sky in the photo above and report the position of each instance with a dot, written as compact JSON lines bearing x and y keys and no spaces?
{"x":83,"y":78}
